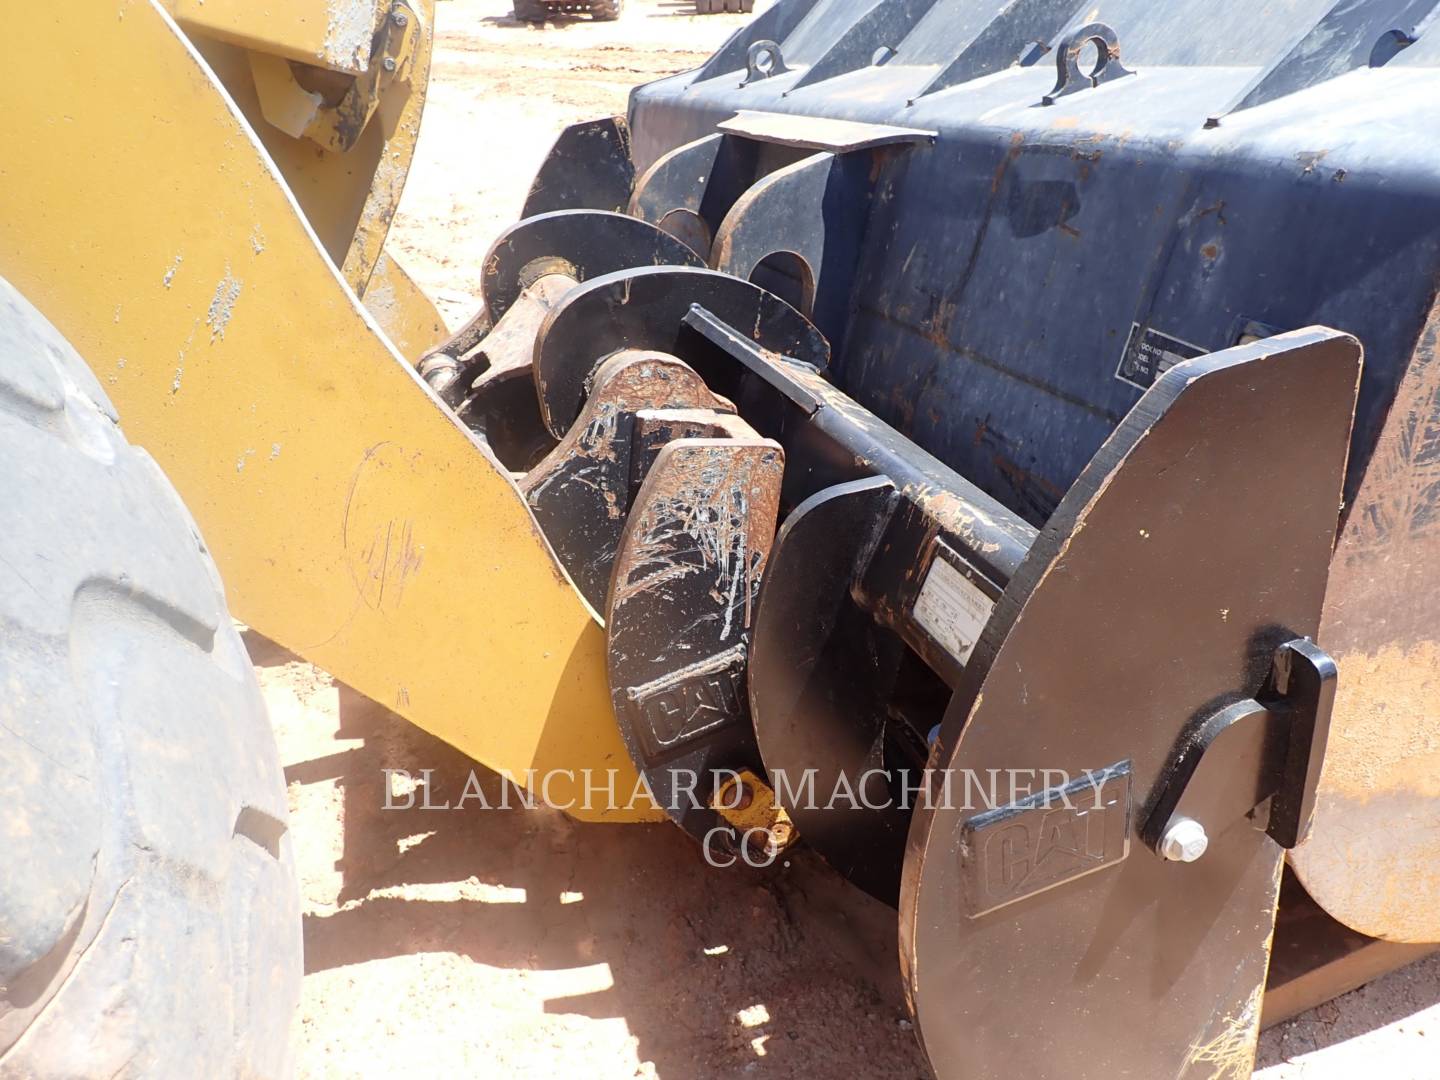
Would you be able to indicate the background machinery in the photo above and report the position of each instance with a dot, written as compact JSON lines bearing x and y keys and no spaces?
{"x":969,"y":388}
{"x":537,"y":11}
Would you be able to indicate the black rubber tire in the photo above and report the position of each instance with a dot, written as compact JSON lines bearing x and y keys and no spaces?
{"x":606,"y":10}
{"x":149,"y":911}
{"x":530,"y":11}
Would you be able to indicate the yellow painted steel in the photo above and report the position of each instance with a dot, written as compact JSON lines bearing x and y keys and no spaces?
{"x":355,"y":521}
{"x":348,"y":197}
{"x":405,"y":313}
{"x":330,"y":33}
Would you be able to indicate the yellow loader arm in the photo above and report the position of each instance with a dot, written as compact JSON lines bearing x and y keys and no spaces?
{"x":354,"y":519}
{"x":335,"y":90}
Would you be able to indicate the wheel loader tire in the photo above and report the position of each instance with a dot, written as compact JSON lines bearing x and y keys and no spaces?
{"x":606,"y":10}
{"x":530,"y":11}
{"x":149,"y":911}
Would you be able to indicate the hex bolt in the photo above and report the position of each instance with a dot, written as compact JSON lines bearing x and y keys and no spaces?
{"x":399,"y":18}
{"x":780,"y":833}
{"x":733,"y":796}
{"x":389,"y":63}
{"x":1184,"y":840}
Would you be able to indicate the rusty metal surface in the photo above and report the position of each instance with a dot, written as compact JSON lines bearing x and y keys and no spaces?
{"x":573,"y":244}
{"x":581,"y":244}
{"x":1029,"y":274}
{"x":799,"y":231}
{"x":645,"y":308}
{"x":1316,"y":958}
{"x":581,"y":492}
{"x":679,"y":615}
{"x":493,"y":385}
{"x":1371,"y":860}
{"x":690,"y":189}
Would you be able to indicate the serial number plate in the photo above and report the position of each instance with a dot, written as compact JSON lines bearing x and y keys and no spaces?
{"x":952,"y":608}
{"x":1149,"y":353}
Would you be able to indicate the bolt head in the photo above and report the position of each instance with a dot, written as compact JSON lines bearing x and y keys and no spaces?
{"x":777,"y":839}
{"x":389,"y":63}
{"x":399,"y":18}
{"x":735,"y":795}
{"x":1184,"y":841}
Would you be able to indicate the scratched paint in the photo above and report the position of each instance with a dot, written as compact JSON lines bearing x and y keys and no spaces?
{"x":222,"y":304}
{"x":390,"y":556}
{"x":384,"y":552}
{"x":681,"y":607}
{"x":580,"y":492}
{"x":704,"y":511}
{"x":1230,"y":1053}
{"x":348,"y":29}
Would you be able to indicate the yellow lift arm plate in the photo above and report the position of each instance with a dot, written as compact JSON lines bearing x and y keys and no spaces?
{"x":355,"y":521}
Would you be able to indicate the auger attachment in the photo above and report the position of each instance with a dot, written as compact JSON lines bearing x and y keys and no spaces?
{"x":484,"y":370}
{"x":958,"y":711}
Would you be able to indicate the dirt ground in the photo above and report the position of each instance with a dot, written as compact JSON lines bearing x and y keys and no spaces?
{"x":515,"y":943}
{"x":500,"y":91}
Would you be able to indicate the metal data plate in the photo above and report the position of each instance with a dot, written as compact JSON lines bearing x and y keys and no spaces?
{"x":955,"y":603}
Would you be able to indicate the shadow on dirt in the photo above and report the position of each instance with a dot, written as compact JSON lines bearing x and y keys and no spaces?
{"x":1388,"y":1000}
{"x":706,"y":967}
{"x":715,"y":972}
{"x":559,"y":20}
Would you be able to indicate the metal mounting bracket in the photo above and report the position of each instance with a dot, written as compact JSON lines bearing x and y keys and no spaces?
{"x":1269,"y":747}
{"x":1067,"y":61}
{"x":302,"y":113}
